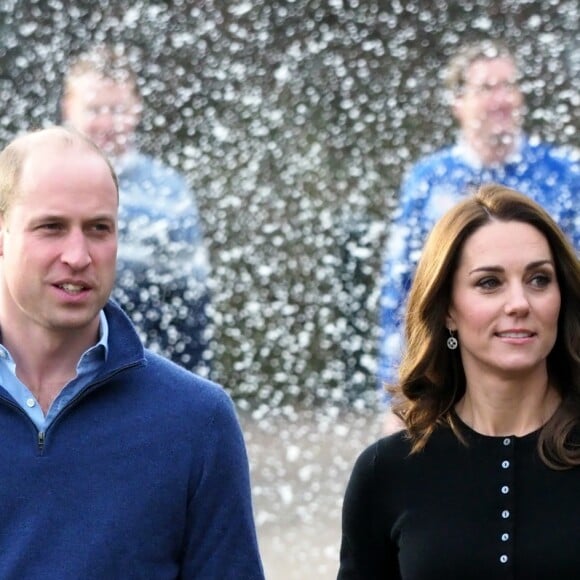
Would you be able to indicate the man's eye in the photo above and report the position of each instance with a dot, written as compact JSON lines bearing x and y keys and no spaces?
{"x":101,"y":228}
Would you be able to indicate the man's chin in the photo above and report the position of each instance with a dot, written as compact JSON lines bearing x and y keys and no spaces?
{"x":109,"y":147}
{"x":503,"y":137}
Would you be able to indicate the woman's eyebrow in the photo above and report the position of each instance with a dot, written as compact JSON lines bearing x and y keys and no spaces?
{"x":530,"y":266}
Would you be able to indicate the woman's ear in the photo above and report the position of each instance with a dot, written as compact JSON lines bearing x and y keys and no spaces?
{"x":450,"y":322}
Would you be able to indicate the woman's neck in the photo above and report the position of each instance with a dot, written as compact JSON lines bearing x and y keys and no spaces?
{"x":508,"y":409}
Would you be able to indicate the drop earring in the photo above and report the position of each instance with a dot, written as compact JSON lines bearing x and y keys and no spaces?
{"x":451,"y":341}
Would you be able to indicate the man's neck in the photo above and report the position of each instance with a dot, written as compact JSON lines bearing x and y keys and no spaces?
{"x":493,"y":151}
{"x":46,"y":361}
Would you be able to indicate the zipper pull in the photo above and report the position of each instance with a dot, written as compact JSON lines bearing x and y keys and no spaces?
{"x":41,"y":441}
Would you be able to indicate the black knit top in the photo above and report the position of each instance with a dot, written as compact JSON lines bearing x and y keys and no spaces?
{"x":489,"y":510}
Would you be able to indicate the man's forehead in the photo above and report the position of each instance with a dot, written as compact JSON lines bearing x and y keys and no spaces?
{"x":94,"y":84}
{"x":56,"y":152}
{"x":51,"y":157}
{"x":488,"y":69}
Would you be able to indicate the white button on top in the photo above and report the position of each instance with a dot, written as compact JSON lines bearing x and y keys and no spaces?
{"x":505,"y":514}
{"x":3,"y":353}
{"x":505,"y":464}
{"x":507,"y":441}
{"x":30,"y":402}
{"x":503,"y":558}
{"x":505,"y":489}
{"x":505,"y":537}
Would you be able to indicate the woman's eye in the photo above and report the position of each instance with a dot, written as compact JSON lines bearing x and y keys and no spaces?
{"x":488,"y":283}
{"x":541,"y":280}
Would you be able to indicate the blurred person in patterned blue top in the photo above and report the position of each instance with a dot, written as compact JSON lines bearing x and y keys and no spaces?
{"x":487,"y":102}
{"x":163,"y":264}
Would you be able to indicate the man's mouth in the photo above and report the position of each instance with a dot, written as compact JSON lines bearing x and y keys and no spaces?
{"x":72,"y":288}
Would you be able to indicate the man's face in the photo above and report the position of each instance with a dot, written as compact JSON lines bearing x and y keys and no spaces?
{"x":58,"y":241}
{"x":490,"y":104}
{"x":105,"y":110}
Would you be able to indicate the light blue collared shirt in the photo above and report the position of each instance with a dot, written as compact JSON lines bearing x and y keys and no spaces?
{"x":87,"y":368}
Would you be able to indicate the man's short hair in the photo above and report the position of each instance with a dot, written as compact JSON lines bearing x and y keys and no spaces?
{"x":458,"y":64}
{"x":13,"y":156}
{"x":106,"y":61}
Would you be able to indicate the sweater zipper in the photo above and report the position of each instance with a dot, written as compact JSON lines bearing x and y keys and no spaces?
{"x":41,"y":435}
{"x":72,"y":403}
{"x":41,"y":438}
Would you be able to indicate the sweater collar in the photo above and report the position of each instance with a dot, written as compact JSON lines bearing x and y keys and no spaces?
{"x":464,"y":151}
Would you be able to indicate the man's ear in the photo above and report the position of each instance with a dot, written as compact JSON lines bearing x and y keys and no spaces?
{"x":2,"y":232}
{"x":64,"y":109}
{"x":457,"y":107}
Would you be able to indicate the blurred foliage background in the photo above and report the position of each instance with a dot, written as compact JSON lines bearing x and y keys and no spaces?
{"x":294,"y":122}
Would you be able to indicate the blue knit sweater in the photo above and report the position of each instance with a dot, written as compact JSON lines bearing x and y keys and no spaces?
{"x":143,"y":475}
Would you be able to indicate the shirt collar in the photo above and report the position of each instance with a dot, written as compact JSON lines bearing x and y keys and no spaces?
{"x":467,"y":153}
{"x":99,"y":350}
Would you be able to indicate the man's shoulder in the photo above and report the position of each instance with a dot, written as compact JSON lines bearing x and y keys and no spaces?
{"x":171,"y":385}
{"x":440,"y":176}
{"x":436,"y":165}
{"x":146,"y":167}
{"x":535,"y":149}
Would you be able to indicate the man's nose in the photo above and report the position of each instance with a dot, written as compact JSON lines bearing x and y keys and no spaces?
{"x":75,"y":251}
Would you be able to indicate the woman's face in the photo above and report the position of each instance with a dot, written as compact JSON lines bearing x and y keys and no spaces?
{"x":505,"y":301}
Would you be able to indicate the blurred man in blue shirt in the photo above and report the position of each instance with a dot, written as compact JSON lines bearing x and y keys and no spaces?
{"x":163,"y":265}
{"x":487,"y":102}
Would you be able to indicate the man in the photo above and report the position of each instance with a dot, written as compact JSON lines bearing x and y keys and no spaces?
{"x":488,"y":105}
{"x":163,"y":264}
{"x":116,"y":463}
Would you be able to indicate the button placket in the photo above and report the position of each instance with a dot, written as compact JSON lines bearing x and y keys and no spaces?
{"x":506,"y":501}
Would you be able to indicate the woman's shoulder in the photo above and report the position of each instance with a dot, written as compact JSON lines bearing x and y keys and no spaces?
{"x":394,"y":453}
{"x":386,"y":453}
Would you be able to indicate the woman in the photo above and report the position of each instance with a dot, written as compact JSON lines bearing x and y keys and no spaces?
{"x":484,"y":482}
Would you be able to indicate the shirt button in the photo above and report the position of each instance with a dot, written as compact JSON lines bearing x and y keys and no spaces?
{"x":30,"y":402}
{"x":505,"y":489}
{"x":3,"y":353}
{"x":507,"y":441}
{"x":503,"y":558}
{"x":505,"y":464}
{"x":505,"y":537}
{"x":505,"y":514}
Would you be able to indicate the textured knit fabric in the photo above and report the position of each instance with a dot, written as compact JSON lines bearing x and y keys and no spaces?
{"x":143,"y":475}
{"x":487,"y":511}
{"x":548,"y":175}
{"x":163,"y":264}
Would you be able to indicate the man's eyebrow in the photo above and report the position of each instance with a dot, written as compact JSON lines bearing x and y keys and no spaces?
{"x":530,"y":266}
{"x":102,"y":217}
{"x":53,"y":216}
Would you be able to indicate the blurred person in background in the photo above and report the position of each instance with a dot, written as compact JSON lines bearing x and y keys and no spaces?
{"x":163,"y":267}
{"x":487,"y":102}
{"x":483,"y":482}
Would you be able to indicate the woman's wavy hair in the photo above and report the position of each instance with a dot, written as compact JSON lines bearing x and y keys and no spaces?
{"x":431,"y":377}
